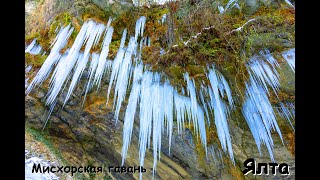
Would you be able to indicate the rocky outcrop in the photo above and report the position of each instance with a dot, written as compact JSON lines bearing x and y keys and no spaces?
{"x":40,"y":14}
{"x":89,"y":136}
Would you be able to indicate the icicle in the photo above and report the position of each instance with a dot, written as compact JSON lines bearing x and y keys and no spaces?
{"x":145,"y":115}
{"x":92,"y":36}
{"x":163,"y":18}
{"x":123,"y":76}
{"x":259,"y":115}
{"x":108,"y":67}
{"x":28,"y":68}
{"x":149,"y":41}
{"x":123,"y":39}
{"x":92,"y":69}
{"x":57,"y":28}
{"x":220,"y":111}
{"x":264,"y":74}
{"x":131,"y":110}
{"x":192,"y":94}
{"x":197,"y":113}
{"x":26,"y":82}
{"x":288,"y":2}
{"x":285,"y":113}
{"x":224,"y":87}
{"x":272,"y":61}
{"x":59,"y":43}
{"x":157,"y":118}
{"x":109,"y":22}
{"x":64,"y":71}
{"x":221,"y":9}
{"x":140,"y":27}
{"x":230,"y":2}
{"x":30,"y":46}
{"x":80,"y":66}
{"x":103,"y":58}
{"x":167,"y":103}
{"x":140,"y":50}
{"x":107,"y":27}
{"x":100,"y":29}
{"x":33,"y":48}
{"x":117,"y":64}
{"x":212,"y":153}
{"x":204,"y":104}
{"x":115,"y":70}
{"x":180,"y":109}
{"x":289,"y":56}
{"x":145,"y":42}
{"x":228,"y":6}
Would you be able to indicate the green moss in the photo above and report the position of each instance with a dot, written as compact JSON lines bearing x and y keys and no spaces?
{"x":92,"y":11}
{"x":128,"y":19}
{"x":113,"y":48}
{"x":35,"y":60}
{"x":273,"y":29}
{"x":30,"y":37}
{"x":175,"y":74}
{"x":43,"y":137}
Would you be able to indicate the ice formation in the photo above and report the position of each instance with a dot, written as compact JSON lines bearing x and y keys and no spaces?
{"x":33,"y":48}
{"x":121,"y":84}
{"x":92,"y":70}
{"x":117,"y":63}
{"x":54,"y":56}
{"x":102,"y":62}
{"x":263,"y":73}
{"x":257,"y":109}
{"x":196,"y":112}
{"x":229,"y":5}
{"x":221,"y":110}
{"x":27,"y":70}
{"x":140,"y":27}
{"x":131,"y":109}
{"x":80,"y":66}
{"x":30,"y":160}
{"x":122,"y":65}
{"x":287,"y":112}
{"x":288,"y":2}
{"x":158,"y":105}
{"x":163,"y":18}
{"x":289,"y":56}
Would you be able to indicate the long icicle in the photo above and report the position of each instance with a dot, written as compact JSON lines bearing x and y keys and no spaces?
{"x":54,"y":56}
{"x":220,"y":113}
{"x":131,"y":110}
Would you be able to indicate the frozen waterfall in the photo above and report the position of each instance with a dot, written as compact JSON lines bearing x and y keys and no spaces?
{"x":157,"y":104}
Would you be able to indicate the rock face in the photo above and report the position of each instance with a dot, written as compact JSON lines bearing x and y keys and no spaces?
{"x":40,"y":14}
{"x":89,"y":136}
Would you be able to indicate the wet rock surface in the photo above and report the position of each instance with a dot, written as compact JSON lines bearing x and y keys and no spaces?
{"x":90,"y":136}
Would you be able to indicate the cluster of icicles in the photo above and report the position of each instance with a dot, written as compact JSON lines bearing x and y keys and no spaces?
{"x":257,"y":109}
{"x":158,"y":103}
